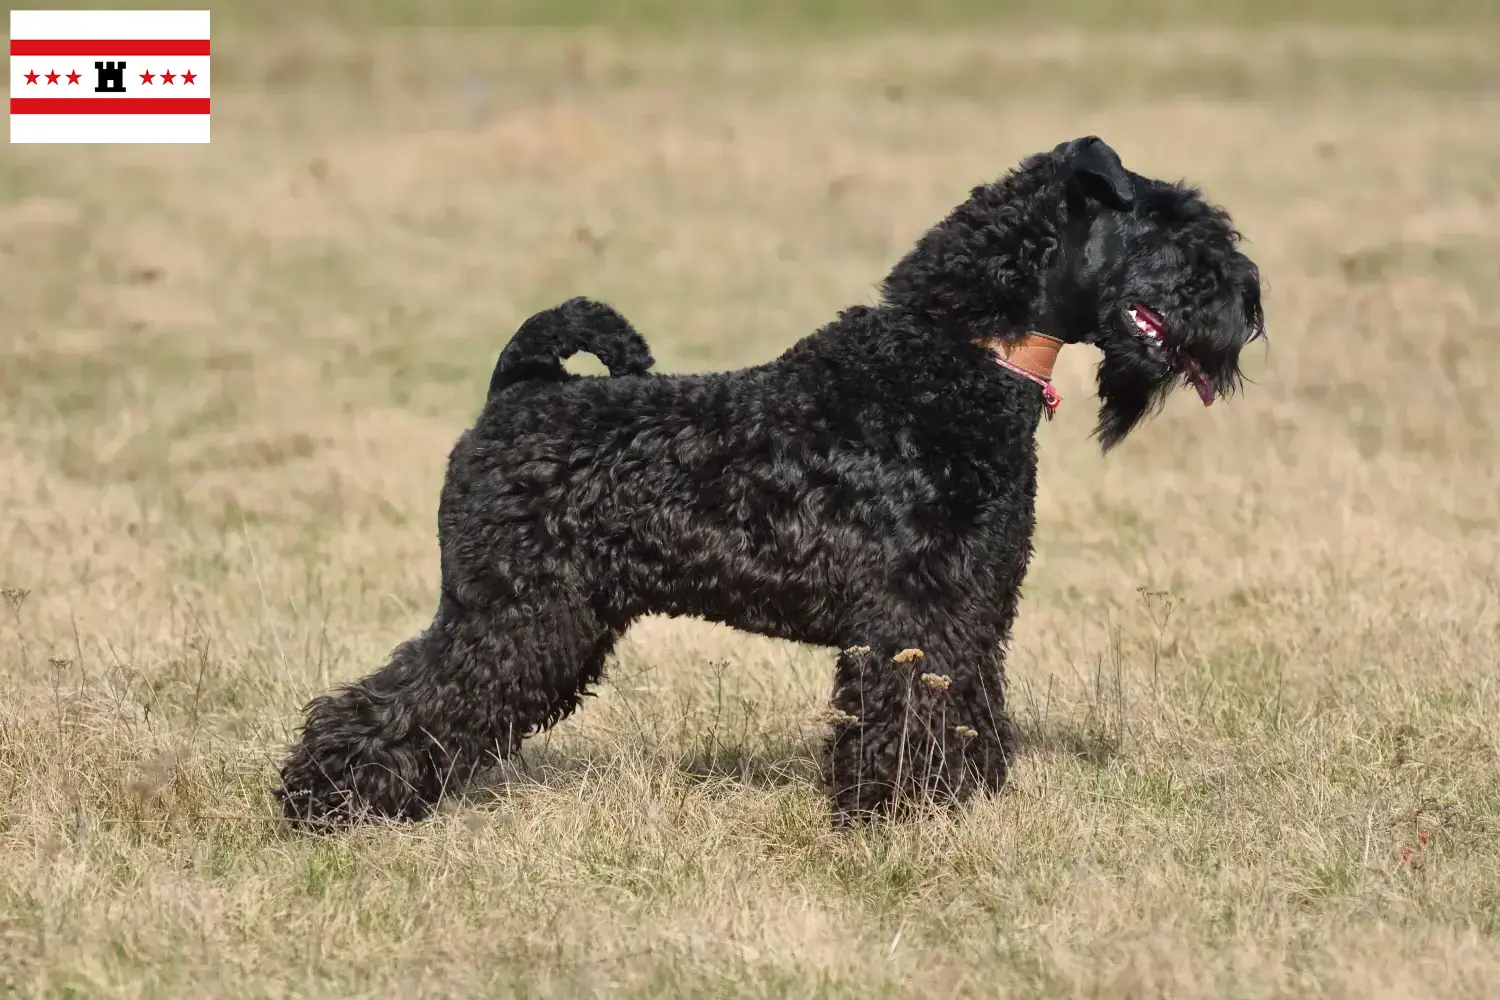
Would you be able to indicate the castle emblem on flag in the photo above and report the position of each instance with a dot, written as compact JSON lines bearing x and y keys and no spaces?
{"x":111,"y":77}
{"x":149,"y":71}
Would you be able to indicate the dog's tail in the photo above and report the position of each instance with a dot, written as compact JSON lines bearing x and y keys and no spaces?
{"x":550,"y":337}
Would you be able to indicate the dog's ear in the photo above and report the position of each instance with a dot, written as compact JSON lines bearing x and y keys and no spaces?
{"x":1090,"y":165}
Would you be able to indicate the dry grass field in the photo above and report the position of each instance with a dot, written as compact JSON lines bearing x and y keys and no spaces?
{"x":1258,"y":660}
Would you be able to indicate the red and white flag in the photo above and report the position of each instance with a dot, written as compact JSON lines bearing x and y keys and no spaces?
{"x":109,"y":76}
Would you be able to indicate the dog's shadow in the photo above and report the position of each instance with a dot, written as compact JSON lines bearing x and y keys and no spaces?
{"x":770,"y":764}
{"x":766,"y":761}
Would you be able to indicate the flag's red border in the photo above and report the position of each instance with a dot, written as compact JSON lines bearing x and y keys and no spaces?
{"x":109,"y":105}
{"x":109,"y":47}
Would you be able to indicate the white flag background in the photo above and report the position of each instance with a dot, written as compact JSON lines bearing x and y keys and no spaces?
{"x":109,"y":76}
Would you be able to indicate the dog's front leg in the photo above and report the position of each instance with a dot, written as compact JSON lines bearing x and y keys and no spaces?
{"x":915,"y":723}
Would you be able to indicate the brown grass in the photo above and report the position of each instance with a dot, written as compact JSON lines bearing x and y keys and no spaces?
{"x":1256,"y":662}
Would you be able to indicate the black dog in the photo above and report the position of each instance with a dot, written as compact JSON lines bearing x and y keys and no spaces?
{"x":872,"y":489}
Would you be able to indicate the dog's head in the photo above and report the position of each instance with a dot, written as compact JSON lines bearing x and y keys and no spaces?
{"x":1074,"y":245}
{"x":1152,"y":275}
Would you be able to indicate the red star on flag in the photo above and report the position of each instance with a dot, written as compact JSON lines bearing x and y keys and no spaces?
{"x":168,"y":77}
{"x":52,"y":77}
{"x":189,"y":77}
{"x":73,"y":77}
{"x":31,"y":77}
{"x":147,"y":76}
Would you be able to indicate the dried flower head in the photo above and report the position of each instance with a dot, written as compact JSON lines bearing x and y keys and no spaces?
{"x":966,"y":732}
{"x":837,"y":717}
{"x":938,"y":682}
{"x":857,"y":650}
{"x":907,"y":655}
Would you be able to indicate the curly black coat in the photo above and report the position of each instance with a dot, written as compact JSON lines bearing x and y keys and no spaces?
{"x":871,"y":489}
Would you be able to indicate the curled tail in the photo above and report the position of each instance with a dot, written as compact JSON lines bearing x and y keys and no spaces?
{"x":550,"y":337}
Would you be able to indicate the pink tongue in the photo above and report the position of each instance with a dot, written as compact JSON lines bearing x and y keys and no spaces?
{"x":1200,"y":381}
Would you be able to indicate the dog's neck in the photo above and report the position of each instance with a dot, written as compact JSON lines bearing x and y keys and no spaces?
{"x":1032,"y":358}
{"x":1034,"y":354}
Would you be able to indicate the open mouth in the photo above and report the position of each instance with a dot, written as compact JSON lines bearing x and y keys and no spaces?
{"x":1154,"y":332}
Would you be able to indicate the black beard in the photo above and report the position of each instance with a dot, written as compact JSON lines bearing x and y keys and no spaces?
{"x":1130,"y":389}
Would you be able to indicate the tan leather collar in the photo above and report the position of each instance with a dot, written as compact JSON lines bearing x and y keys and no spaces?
{"x":1034,"y":353}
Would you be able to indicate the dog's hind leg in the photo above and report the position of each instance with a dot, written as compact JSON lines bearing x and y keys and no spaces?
{"x":452,"y":699}
{"x":915,"y":721}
